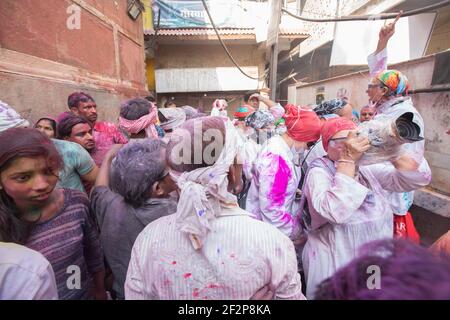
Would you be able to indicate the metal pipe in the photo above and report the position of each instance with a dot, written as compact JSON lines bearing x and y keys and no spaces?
{"x":430,"y":90}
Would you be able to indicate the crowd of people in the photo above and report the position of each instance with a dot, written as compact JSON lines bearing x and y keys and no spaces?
{"x":173,"y":203}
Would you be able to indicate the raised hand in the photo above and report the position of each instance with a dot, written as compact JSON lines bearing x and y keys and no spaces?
{"x":388,"y":30}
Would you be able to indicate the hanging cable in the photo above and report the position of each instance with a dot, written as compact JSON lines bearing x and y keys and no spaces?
{"x":380,"y":16}
{"x":156,"y":31}
{"x":226,"y":49}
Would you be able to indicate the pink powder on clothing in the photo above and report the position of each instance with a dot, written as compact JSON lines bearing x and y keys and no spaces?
{"x":279,"y":187}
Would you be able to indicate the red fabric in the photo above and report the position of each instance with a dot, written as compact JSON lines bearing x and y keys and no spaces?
{"x":333,"y":126}
{"x":302,"y":124}
{"x":404,"y":228}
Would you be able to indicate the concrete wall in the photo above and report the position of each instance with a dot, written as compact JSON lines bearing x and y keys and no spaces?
{"x":434,"y":108}
{"x":208,"y":54}
{"x":42,"y":60}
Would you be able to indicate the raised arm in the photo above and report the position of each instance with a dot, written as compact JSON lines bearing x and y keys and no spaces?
{"x":405,"y":174}
{"x":275,"y":108}
{"x":378,"y":60}
{"x":103,"y":174}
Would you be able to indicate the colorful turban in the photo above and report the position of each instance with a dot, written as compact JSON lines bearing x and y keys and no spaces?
{"x":396,"y":82}
{"x":333,"y":126}
{"x":259,"y":119}
{"x":330,"y":107}
{"x":243,"y":112}
{"x":280,"y":121}
{"x":302,"y":124}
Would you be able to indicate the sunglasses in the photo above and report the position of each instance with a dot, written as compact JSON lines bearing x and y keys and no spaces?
{"x":370,"y":86}
{"x":338,"y":139}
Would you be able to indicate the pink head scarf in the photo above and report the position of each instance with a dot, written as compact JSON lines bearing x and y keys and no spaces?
{"x":146,"y":123}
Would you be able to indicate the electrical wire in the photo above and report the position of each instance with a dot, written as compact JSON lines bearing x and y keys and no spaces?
{"x":380,"y":16}
{"x":226,"y":49}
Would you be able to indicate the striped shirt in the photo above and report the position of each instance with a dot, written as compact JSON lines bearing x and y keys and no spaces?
{"x":70,"y":242}
{"x":240,"y":255}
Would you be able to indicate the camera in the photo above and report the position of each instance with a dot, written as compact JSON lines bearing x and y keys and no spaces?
{"x":387,"y":135}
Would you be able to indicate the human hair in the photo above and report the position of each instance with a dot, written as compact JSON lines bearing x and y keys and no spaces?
{"x":136,"y":168}
{"x":248,"y":95}
{"x":65,"y":126}
{"x":52,"y":123}
{"x":134,"y":109}
{"x":21,"y":143}
{"x":75,"y":98}
{"x":168,"y":103}
{"x":188,"y":136}
{"x":407,"y":272}
{"x":150,"y":97}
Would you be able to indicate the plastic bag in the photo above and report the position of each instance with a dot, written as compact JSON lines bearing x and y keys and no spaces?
{"x":386,"y":137}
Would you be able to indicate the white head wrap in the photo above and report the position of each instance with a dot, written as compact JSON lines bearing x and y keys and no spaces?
{"x":204,"y":190}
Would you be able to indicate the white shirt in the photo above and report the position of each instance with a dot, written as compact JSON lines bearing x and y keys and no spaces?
{"x":273,"y":188}
{"x":216,"y":112}
{"x":25,"y":274}
{"x":240,"y":255}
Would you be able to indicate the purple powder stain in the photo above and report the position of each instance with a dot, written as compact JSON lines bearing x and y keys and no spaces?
{"x":218,"y":250}
{"x":278,"y":252}
{"x":283,"y":174}
{"x":201,"y":212}
{"x":287,"y":218}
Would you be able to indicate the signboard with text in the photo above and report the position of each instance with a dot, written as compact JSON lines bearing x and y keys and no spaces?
{"x":192,"y":14}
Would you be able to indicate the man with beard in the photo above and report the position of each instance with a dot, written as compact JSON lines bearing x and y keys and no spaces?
{"x":105,"y":134}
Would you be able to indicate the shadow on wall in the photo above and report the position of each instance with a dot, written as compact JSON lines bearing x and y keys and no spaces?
{"x":429,"y":225}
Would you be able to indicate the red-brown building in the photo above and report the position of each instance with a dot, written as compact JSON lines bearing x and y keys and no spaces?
{"x":51,"y":48}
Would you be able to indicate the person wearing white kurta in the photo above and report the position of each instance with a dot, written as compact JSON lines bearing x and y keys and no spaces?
{"x":273,"y":187}
{"x":25,"y":274}
{"x":210,"y":248}
{"x":277,"y":171}
{"x":219,"y":108}
{"x":346,"y":212}
{"x":240,"y":255}
{"x":389,"y":108}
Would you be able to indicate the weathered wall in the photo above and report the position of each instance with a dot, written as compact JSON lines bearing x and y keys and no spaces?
{"x":208,"y":56}
{"x":434,"y":108}
{"x":42,"y":60}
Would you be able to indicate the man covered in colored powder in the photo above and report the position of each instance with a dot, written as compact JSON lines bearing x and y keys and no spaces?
{"x":106,"y":134}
